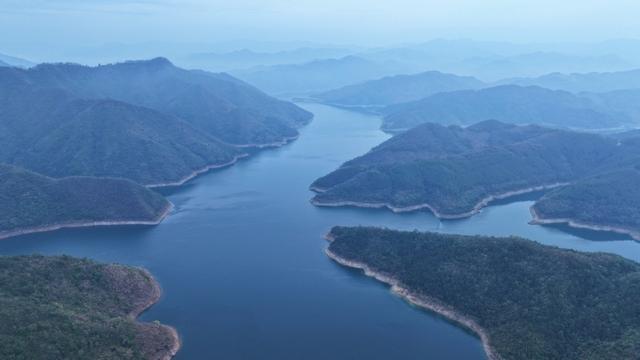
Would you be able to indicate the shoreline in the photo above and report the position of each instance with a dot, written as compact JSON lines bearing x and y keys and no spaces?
{"x":274,"y":144}
{"x":200,"y":171}
{"x":85,"y":224}
{"x":229,"y":163}
{"x":421,"y":301}
{"x":476,"y":209}
{"x":155,"y":297}
{"x":537,"y":220}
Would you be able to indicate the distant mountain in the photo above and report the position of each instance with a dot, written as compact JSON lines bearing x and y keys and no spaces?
{"x":217,"y":104}
{"x":583,"y":82}
{"x":455,"y":171}
{"x":318,"y":75}
{"x":15,"y":61}
{"x":398,"y":89}
{"x":493,"y":61}
{"x":536,"y":64}
{"x":245,"y":58}
{"x":31,"y":202}
{"x":524,"y":300}
{"x":509,"y":103}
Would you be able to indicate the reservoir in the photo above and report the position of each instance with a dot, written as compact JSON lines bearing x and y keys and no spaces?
{"x":242,"y":265}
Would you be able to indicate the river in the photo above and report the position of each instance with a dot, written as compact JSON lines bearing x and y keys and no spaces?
{"x":242,"y":264}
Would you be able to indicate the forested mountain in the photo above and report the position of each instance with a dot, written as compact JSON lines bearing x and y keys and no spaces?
{"x":397,"y":89}
{"x":455,"y":171}
{"x":525,"y":300}
{"x":146,"y":121}
{"x":67,"y":308}
{"x":32,"y":202}
{"x":508,"y":103}
{"x":609,"y":201}
{"x":217,"y":104}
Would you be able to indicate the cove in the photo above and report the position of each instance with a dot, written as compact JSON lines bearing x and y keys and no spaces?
{"x":242,"y":265}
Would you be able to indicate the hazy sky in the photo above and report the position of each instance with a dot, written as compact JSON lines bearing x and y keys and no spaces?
{"x":61,"y":24}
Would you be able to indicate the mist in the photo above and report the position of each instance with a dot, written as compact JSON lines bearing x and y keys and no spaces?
{"x":69,"y":30}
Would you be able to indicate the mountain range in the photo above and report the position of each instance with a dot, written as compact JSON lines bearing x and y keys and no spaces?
{"x":510,"y":103}
{"x":454,"y":172}
{"x":147,"y":121}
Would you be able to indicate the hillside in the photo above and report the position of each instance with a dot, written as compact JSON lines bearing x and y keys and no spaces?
{"x":218,"y":104}
{"x":67,"y":308}
{"x":52,"y":132}
{"x":455,"y":171}
{"x":523,"y":299}
{"x":30,"y":202}
{"x":609,"y":201}
{"x":397,"y":89}
{"x":508,"y":103}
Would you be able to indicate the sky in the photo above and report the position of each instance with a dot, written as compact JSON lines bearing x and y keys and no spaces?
{"x":33,"y":26}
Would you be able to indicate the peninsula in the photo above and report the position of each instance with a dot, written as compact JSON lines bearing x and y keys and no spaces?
{"x":523,"y":300}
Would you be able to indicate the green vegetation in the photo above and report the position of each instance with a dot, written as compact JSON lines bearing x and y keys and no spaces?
{"x":533,"y":301}
{"x":398,"y":89}
{"x":147,"y":121}
{"x":508,"y":103}
{"x":610,"y":199}
{"x":31,"y":201}
{"x":66,"y":308}
{"x":454,"y":170}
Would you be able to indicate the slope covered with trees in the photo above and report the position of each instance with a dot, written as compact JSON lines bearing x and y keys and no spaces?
{"x":454,"y":171}
{"x":527,"y":301}
{"x":32,"y":202}
{"x":67,"y":308}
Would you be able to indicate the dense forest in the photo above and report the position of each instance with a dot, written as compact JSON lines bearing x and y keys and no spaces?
{"x":29,"y":200}
{"x":67,"y":308}
{"x":611,"y":199}
{"x":148,"y":121}
{"x":454,"y":171}
{"x":533,"y":301}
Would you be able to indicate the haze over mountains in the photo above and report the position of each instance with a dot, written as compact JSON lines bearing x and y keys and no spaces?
{"x":510,"y":103}
{"x":148,"y":121}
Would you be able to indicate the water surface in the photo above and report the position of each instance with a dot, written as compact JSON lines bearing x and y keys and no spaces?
{"x":242,"y":262}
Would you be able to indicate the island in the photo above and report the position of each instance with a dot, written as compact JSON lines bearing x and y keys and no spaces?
{"x":31,"y":202}
{"x":524,"y":300}
{"x":67,"y":308}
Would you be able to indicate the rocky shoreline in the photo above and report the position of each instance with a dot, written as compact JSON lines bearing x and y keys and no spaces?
{"x":419,"y":300}
{"x":538,"y":220}
{"x":476,"y":209}
{"x":82,"y":224}
{"x":154,"y":298}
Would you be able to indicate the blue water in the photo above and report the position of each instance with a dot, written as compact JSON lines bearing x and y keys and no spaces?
{"x":242,"y":262}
